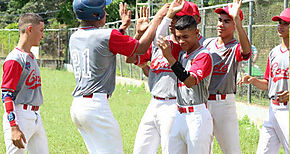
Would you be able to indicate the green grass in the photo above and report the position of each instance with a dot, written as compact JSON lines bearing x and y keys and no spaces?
{"x":128,"y":104}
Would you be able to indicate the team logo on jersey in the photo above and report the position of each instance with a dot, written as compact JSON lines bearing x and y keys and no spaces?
{"x":160,"y":64}
{"x":220,"y":69}
{"x":278,"y":73}
{"x":27,"y":65}
{"x":33,"y":81}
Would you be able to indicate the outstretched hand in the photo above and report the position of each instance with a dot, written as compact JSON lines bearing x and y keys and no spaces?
{"x":175,"y":7}
{"x":245,"y":80}
{"x":125,"y":15}
{"x":234,"y":9}
{"x":142,"y":22}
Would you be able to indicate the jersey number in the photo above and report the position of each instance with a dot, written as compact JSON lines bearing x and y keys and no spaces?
{"x":81,"y":63}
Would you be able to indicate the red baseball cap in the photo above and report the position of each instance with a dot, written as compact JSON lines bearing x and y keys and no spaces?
{"x":285,"y":16}
{"x":189,"y":8}
{"x":226,"y":9}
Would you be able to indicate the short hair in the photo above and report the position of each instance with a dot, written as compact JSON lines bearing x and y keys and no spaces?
{"x":28,"y":19}
{"x":185,"y":22}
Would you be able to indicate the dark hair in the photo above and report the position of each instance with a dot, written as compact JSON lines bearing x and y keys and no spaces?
{"x":185,"y":22}
{"x":28,"y":19}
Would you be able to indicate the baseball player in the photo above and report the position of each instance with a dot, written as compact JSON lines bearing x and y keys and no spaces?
{"x":227,"y":52}
{"x":192,"y":128}
{"x":93,"y":53}
{"x":275,"y":130}
{"x":157,"y":121}
{"x":21,"y":92}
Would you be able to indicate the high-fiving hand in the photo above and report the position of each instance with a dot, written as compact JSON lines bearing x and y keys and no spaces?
{"x":142,"y":22}
{"x":234,"y":9}
{"x":125,"y":15}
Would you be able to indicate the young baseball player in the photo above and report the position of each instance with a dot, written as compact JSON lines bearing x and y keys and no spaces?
{"x":93,"y":52}
{"x":275,"y":130}
{"x":227,"y":52}
{"x":21,"y":92}
{"x":192,"y":128}
{"x":157,"y":120}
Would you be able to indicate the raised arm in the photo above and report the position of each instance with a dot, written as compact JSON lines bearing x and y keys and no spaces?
{"x":234,"y":10}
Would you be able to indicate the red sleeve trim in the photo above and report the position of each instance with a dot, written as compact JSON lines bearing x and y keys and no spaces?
{"x":239,"y":56}
{"x":201,"y":66}
{"x":122,"y":44}
{"x":11,"y":74}
{"x":267,"y":72}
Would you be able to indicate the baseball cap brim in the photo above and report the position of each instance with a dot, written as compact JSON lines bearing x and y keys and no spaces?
{"x":108,"y":2}
{"x":277,"y":18}
{"x":220,"y":10}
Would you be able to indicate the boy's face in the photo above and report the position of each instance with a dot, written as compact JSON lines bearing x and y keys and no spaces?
{"x":283,"y":29}
{"x":225,"y":26}
{"x":36,"y":33}
{"x":187,"y":38}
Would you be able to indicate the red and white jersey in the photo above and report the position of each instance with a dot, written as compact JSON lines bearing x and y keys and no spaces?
{"x":226,"y":60}
{"x":21,"y":75}
{"x":199,"y":65}
{"x":277,"y":71}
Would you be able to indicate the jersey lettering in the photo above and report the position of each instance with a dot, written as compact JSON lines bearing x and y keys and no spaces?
{"x":220,"y":69}
{"x":33,"y":81}
{"x":279,"y":73}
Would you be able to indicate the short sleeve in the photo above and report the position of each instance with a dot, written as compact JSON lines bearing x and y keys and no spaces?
{"x":201,"y":66}
{"x":122,"y":44}
{"x":11,"y":74}
{"x":239,"y":56}
{"x":267,"y":72}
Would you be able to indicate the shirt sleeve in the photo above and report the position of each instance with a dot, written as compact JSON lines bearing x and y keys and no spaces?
{"x":267,"y":72}
{"x":162,"y":29}
{"x":201,"y":67}
{"x":11,"y":74}
{"x":145,"y":57}
{"x":122,"y":44}
{"x":239,"y":56}
{"x":175,"y":49}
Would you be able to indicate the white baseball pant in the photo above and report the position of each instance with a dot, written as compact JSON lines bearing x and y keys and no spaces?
{"x":275,"y":131}
{"x":191,"y":132}
{"x":95,"y":122}
{"x":30,"y":123}
{"x":225,"y":123}
{"x":155,"y":126}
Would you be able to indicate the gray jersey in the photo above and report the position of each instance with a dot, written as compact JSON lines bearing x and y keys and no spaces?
{"x":277,"y":71}
{"x":93,"y":53}
{"x":161,"y":79}
{"x":21,"y":75}
{"x":199,"y":65}
{"x":226,"y":60}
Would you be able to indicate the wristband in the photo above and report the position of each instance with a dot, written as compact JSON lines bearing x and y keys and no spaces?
{"x":179,"y":71}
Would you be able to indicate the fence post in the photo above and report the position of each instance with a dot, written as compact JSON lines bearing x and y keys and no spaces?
{"x":121,"y":66}
{"x":58,"y":65}
{"x":285,"y":4}
{"x":130,"y":68}
{"x":203,"y":19}
{"x":250,"y":40}
{"x":9,"y":41}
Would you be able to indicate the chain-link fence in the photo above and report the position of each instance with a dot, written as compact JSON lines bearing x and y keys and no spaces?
{"x":262,"y":33}
{"x":51,"y":52}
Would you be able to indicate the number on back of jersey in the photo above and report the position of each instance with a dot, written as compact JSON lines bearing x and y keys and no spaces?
{"x":81,"y":63}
